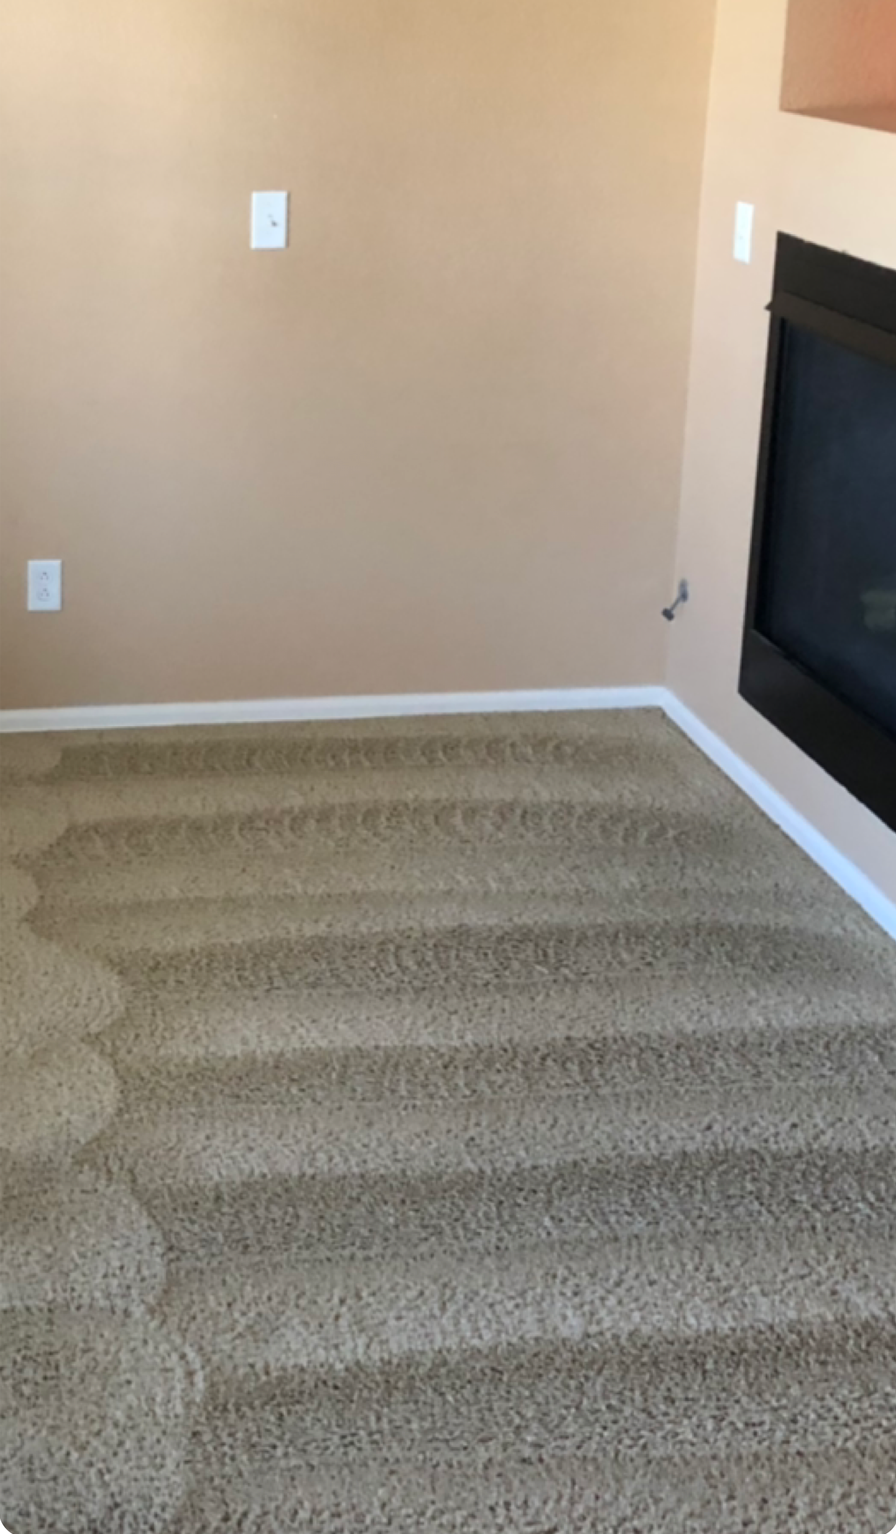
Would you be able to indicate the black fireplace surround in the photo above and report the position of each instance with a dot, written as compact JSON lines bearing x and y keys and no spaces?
{"x":819,"y":647}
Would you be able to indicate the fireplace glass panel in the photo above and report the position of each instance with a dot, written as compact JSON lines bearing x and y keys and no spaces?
{"x":827,"y":592}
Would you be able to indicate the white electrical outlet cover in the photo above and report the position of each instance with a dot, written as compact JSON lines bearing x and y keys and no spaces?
{"x":44,"y":585}
{"x":270,"y":220}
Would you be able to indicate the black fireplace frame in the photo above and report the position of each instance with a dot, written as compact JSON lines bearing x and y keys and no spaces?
{"x":852,"y":303}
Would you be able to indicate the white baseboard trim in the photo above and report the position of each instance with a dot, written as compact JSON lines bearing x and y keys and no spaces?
{"x":277,"y":710}
{"x":407,"y":705}
{"x":845,"y":873}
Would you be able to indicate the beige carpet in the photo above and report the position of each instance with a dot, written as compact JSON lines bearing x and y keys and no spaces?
{"x":452,"y":1125}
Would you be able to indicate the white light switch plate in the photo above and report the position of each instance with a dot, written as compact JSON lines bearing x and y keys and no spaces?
{"x":270,"y":220}
{"x":44,"y":585}
{"x":743,"y":232}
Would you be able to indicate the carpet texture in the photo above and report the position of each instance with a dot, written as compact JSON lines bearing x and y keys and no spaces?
{"x":449,"y":1125}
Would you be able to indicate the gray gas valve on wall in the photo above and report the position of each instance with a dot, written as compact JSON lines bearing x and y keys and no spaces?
{"x":682,"y":597}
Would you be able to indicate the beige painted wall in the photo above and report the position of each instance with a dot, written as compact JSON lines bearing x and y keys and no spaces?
{"x":820,"y":181}
{"x":437,"y":444}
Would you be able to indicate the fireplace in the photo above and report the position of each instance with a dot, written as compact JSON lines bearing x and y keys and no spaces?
{"x":819,"y":648}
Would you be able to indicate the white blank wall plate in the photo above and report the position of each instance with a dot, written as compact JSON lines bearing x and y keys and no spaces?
{"x":270,"y":220}
{"x":44,"y":585}
{"x":743,"y":232}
